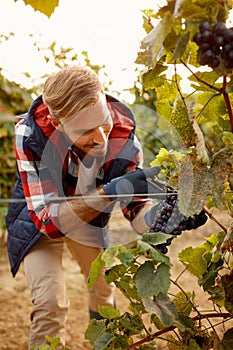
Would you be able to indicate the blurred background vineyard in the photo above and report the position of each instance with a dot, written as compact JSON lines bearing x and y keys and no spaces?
{"x":14,"y":100}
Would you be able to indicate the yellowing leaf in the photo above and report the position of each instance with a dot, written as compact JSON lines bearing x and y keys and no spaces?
{"x":152,"y":44}
{"x":199,"y":138}
{"x":183,"y":305}
{"x":45,"y":7}
{"x":193,"y":259}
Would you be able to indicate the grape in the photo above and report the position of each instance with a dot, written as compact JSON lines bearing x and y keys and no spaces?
{"x":206,"y":36}
{"x":197,"y":38}
{"x":205,"y":46}
{"x":204,"y":26}
{"x":219,"y":28}
{"x":216,"y":45}
{"x":209,"y":54}
{"x":168,"y":219}
{"x":228,"y":63}
{"x":226,"y":48}
{"x":214,"y":63}
{"x":228,"y":35}
{"x":203,"y":61}
{"x":219,"y":40}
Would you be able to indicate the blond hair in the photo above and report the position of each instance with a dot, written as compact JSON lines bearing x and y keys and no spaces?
{"x":71,"y":90}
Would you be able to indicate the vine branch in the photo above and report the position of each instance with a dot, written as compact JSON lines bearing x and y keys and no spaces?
{"x":210,"y":215}
{"x":150,"y":337}
{"x":227,"y":101}
{"x":220,"y":90}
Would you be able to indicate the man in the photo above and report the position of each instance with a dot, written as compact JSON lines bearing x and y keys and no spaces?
{"x":72,"y":149}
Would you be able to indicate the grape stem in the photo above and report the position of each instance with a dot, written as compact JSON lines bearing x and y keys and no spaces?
{"x":227,"y":101}
{"x":210,"y":215}
{"x":221,"y":90}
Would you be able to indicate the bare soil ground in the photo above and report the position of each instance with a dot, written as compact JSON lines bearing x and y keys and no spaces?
{"x":15,"y":301}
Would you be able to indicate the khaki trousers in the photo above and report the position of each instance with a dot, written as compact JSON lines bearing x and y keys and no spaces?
{"x":45,"y":277}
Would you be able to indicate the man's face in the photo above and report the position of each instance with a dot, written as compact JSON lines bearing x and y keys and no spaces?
{"x":89,"y":130}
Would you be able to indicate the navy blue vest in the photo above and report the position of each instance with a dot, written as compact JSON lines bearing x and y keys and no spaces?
{"x":22,"y":232}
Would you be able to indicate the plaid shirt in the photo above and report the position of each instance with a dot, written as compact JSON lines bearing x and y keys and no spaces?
{"x":48,"y":169}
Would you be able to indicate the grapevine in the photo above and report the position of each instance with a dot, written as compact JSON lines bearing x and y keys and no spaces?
{"x":188,"y":36}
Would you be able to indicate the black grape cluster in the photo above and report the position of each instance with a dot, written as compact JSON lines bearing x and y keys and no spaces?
{"x":215,"y":44}
{"x":168,"y":219}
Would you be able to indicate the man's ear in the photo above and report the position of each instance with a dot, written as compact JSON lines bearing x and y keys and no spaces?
{"x":53,"y":121}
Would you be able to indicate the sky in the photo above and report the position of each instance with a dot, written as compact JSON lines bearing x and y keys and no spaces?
{"x":110,"y":31}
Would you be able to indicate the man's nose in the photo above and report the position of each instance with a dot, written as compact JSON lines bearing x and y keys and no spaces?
{"x":99,"y":135}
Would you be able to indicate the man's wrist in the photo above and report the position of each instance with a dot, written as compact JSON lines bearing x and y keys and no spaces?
{"x":101,"y":192}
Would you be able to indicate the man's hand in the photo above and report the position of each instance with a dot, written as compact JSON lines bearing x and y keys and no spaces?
{"x":134,"y":183}
{"x":165,"y":217}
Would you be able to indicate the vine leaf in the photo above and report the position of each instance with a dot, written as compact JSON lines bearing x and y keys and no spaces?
{"x":152,"y":44}
{"x":95,"y":270}
{"x":201,"y":184}
{"x":108,"y":311}
{"x":175,"y":119}
{"x":45,"y":7}
{"x":196,"y":183}
{"x":199,"y":138}
{"x":164,"y":308}
{"x":154,"y":254}
{"x":150,"y":282}
{"x":156,"y":237}
{"x":204,"y":261}
{"x":182,"y":303}
{"x":103,"y":341}
{"x":180,"y":46}
{"x":113,"y":254}
{"x":208,"y":279}
{"x":194,"y":260}
{"x":94,"y":330}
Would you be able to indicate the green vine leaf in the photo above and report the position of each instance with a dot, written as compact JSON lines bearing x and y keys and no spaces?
{"x":150,"y":282}
{"x":108,"y":311}
{"x":96,"y":267}
{"x":103,"y":341}
{"x":153,"y":253}
{"x":133,"y":323}
{"x":155,"y":238}
{"x":183,"y":304}
{"x":165,"y":309}
{"x":174,"y":344}
{"x":207,"y":280}
{"x":180,"y":46}
{"x":94,"y":330}
{"x":194,"y":260}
